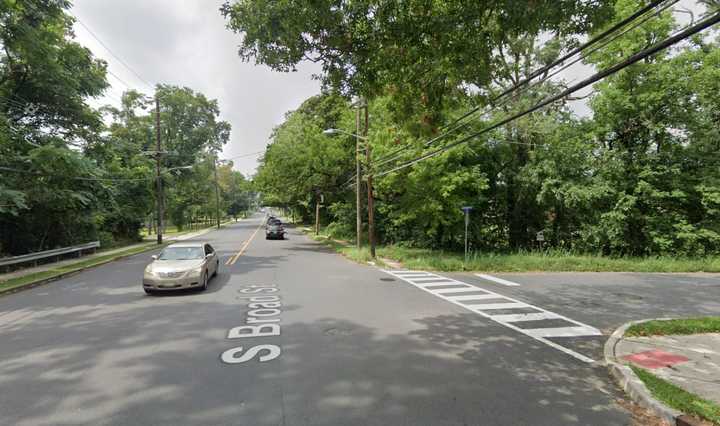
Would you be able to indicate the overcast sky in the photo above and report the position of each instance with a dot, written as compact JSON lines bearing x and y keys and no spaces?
{"x":185,"y":43}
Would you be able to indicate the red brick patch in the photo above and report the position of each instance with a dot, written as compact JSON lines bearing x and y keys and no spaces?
{"x":655,"y":359}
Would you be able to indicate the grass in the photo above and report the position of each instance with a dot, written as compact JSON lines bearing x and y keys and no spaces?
{"x":345,"y":248}
{"x":545,"y":261}
{"x":678,"y":326}
{"x":550,"y":261}
{"x":15,"y":283}
{"x":174,"y":230}
{"x":678,"y":398}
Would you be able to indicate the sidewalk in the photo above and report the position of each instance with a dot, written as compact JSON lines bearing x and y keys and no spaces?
{"x":691,"y":362}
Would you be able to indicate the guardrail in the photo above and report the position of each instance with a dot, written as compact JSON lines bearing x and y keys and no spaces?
{"x":41,"y":255}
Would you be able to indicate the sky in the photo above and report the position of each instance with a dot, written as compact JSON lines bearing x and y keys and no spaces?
{"x":185,"y":43}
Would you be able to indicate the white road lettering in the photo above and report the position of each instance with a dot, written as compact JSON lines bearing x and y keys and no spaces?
{"x":229,"y":356}
{"x":262,"y":308}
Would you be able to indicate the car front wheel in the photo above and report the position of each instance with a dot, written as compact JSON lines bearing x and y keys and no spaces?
{"x":204,"y":282}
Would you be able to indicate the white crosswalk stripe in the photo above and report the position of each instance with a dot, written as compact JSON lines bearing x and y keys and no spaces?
{"x":490,"y":302}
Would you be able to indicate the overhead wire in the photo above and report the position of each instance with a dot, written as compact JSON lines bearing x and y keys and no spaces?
{"x":457,"y":123}
{"x":677,"y":37}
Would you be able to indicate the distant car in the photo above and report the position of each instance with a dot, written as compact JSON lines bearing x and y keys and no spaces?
{"x":274,"y":232}
{"x":181,"y":266}
{"x":274,"y":221}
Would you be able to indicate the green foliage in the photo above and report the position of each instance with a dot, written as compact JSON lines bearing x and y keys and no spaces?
{"x":302,"y":162}
{"x":639,"y":178}
{"x":678,"y":398}
{"x":424,"y":53}
{"x":68,"y":178}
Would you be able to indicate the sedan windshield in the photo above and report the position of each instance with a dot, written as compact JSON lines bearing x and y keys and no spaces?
{"x":181,"y":253}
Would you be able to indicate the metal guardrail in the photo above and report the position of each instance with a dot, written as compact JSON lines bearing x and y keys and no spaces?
{"x":34,"y":257}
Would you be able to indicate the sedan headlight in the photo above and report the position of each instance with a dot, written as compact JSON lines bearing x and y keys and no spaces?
{"x":195,"y":271}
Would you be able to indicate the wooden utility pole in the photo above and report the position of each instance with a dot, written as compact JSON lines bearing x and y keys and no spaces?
{"x":371,"y":199}
{"x":159,"y":177}
{"x":358,"y":181}
{"x":317,"y":215}
{"x":217,"y":192}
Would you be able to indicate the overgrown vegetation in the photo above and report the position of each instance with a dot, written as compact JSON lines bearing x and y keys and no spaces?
{"x":676,"y":326}
{"x":636,"y":179}
{"x":70,"y":173}
{"x":678,"y":398}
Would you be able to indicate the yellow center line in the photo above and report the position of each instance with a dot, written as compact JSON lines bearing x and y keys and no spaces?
{"x":231,"y":257}
{"x":234,"y":259}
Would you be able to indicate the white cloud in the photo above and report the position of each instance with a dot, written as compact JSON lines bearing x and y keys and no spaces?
{"x":185,"y":43}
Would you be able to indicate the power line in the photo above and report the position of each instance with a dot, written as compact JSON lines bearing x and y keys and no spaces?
{"x":689,"y":31}
{"x":122,"y":62}
{"x":456,"y":124}
{"x":244,"y":155}
{"x":112,"y":53}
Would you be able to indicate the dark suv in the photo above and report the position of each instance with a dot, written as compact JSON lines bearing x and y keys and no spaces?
{"x":274,"y":231}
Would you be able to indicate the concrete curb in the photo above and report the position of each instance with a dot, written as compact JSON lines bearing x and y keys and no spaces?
{"x":631,"y":383}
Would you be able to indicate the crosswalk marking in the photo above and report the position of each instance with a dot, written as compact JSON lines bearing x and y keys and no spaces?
{"x":442,"y":284}
{"x":437,"y":286}
{"x":424,"y":278}
{"x":492,"y":306}
{"x":474,"y":297}
{"x":498,"y":280}
{"x":562,"y":332}
{"x":525,"y":317}
{"x":459,"y":290}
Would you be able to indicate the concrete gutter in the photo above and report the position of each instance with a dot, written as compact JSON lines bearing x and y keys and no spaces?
{"x":633,"y":386}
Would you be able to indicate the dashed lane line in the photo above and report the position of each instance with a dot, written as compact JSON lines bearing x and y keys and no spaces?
{"x":452,"y":291}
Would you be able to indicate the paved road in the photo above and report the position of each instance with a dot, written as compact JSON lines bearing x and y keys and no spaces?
{"x":356,"y":346}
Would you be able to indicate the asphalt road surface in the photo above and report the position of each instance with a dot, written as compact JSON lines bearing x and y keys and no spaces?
{"x":290,"y":333}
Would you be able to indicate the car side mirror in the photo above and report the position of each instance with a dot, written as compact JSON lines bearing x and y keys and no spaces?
{"x":154,"y":257}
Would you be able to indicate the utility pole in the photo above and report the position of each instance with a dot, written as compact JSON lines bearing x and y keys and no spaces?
{"x":371,"y":199}
{"x":358,"y":180}
{"x":217,"y":191}
{"x":317,"y":216}
{"x":159,"y":177}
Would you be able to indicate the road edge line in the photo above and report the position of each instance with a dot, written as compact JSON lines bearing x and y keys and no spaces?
{"x":629,"y":382}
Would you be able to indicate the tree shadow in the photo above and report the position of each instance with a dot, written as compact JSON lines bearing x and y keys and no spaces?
{"x":94,"y":365}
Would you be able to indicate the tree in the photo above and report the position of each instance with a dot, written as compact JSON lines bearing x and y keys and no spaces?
{"x":423,"y":53}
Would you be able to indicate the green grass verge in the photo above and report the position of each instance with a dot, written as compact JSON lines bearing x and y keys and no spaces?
{"x":551,"y":261}
{"x":678,"y":398}
{"x":345,"y":248}
{"x":15,"y":283}
{"x":678,"y":326}
{"x":546,"y":261}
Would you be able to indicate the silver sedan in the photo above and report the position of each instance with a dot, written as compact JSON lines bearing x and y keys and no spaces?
{"x":181,"y":266}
